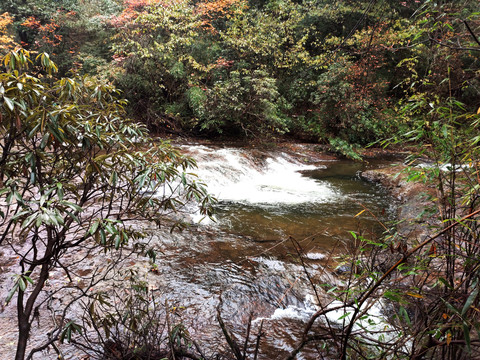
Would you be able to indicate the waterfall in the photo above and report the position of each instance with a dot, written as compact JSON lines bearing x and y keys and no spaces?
{"x":250,"y":177}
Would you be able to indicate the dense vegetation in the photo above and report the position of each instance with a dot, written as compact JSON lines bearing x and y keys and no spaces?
{"x":343,"y":72}
{"x":322,"y":70}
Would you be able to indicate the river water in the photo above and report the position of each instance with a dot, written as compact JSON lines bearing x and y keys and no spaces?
{"x":281,"y":215}
{"x":270,"y":196}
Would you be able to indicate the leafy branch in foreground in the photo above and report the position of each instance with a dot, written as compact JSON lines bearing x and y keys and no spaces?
{"x":74,"y":174}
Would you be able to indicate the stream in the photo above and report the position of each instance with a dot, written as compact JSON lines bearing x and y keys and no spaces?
{"x":280,"y":214}
{"x":268,"y":201}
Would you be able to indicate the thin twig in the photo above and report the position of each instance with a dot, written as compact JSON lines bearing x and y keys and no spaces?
{"x":231,"y":342}
{"x":247,"y":336}
{"x":169,"y":329}
{"x":257,"y":345}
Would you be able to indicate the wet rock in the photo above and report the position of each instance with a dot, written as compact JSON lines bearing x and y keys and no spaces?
{"x":343,"y":269}
{"x":414,"y":210}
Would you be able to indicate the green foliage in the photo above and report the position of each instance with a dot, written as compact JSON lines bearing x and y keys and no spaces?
{"x":272,"y":38}
{"x":345,"y":107}
{"x":64,"y":29}
{"x":258,"y":68}
{"x":345,"y":72}
{"x":156,"y":52}
{"x":333,"y":81}
{"x":134,"y":323}
{"x":344,"y":148}
{"x":246,"y":103}
{"x":74,"y":171}
{"x":197,"y":101}
{"x":446,"y":130}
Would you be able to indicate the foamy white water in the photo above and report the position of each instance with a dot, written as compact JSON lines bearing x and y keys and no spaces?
{"x":237,"y":176}
{"x":293,"y":312}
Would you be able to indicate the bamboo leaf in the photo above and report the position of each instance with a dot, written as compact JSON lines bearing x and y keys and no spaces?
{"x":344,"y":315}
{"x":470,"y":299}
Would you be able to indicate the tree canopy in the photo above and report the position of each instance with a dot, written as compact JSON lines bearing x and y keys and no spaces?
{"x":312,"y":69}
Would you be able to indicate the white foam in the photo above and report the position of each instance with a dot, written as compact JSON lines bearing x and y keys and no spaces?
{"x":315,"y":256}
{"x":290,"y":312}
{"x":270,"y":263}
{"x":293,"y":312}
{"x":237,"y":176}
{"x":373,"y":322}
{"x":445,"y":166}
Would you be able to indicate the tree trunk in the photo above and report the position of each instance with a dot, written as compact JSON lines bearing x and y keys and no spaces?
{"x":24,"y":312}
{"x":23,"y":334}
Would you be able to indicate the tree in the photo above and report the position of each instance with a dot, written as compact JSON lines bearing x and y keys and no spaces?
{"x":245,"y":104}
{"x":157,"y":52}
{"x":74,"y":173}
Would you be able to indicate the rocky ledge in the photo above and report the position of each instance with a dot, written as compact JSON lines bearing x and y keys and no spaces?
{"x":414,"y":200}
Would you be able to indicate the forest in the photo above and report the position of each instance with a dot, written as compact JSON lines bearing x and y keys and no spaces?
{"x":92,"y":90}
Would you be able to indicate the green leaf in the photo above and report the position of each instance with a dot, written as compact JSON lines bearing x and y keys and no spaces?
{"x":332,"y":289}
{"x":68,"y":330}
{"x":60,"y":191}
{"x":26,"y":223}
{"x":445,"y":282}
{"x":470,"y":299}
{"x":44,"y":142}
{"x":73,"y":216}
{"x":466,"y":335}
{"x":39,"y":220}
{"x":402,"y":312}
{"x":113,"y":178}
{"x":103,"y":237}
{"x":22,"y":284}
{"x":392,"y":295}
{"x":9,"y":103}
{"x":94,"y":227}
{"x":11,"y":293}
{"x":72,"y":206}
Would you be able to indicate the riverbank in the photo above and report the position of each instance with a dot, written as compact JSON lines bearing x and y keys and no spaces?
{"x":414,"y":199}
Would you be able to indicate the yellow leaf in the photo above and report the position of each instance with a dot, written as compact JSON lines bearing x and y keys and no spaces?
{"x":415,"y":295}
{"x":449,"y":338}
{"x":478,"y":111}
{"x":361,"y":212}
